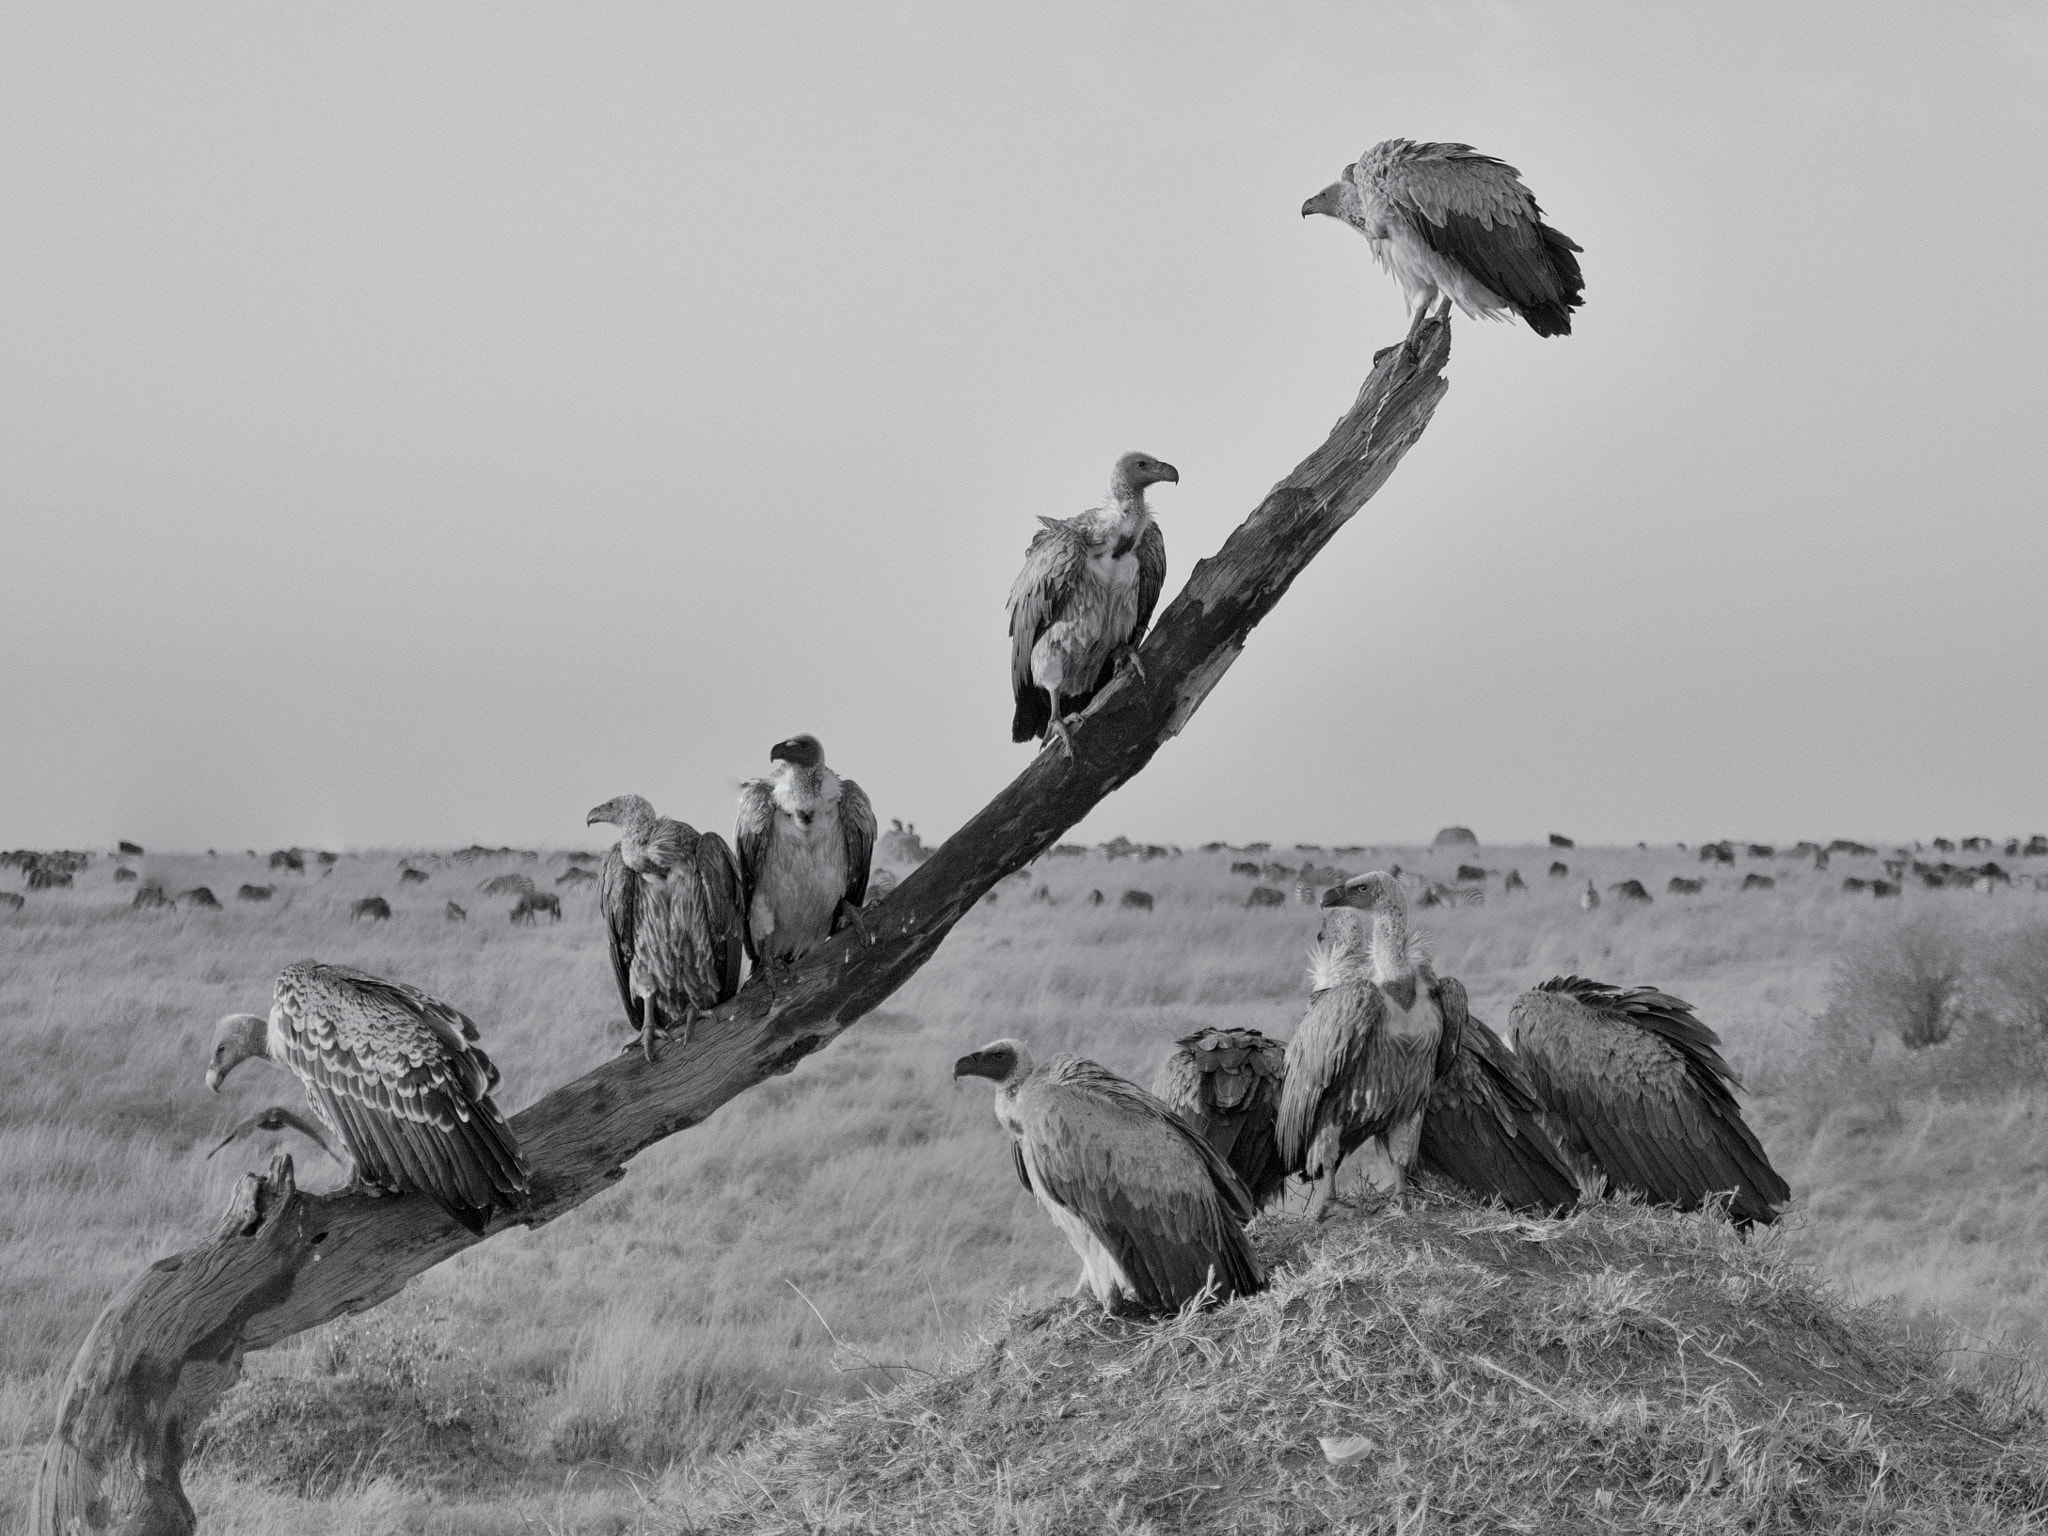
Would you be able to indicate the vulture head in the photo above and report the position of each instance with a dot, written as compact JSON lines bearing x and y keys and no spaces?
{"x":799,"y":752}
{"x":1002,"y":1061}
{"x":1135,"y":471}
{"x":622,"y":811}
{"x":235,"y":1039}
{"x":1339,"y":200}
{"x":1376,"y":892}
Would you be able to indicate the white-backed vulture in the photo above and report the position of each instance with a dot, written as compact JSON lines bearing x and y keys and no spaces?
{"x":398,"y":1079}
{"x":1639,"y":1097}
{"x":1380,"y":1029}
{"x":805,"y":838}
{"x":1083,"y":600}
{"x":676,"y":914}
{"x":1454,"y":226}
{"x":1225,"y":1083}
{"x":1154,"y":1212}
{"x":1485,"y":1129}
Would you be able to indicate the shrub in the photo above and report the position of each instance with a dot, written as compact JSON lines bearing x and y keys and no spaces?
{"x":1908,"y":982}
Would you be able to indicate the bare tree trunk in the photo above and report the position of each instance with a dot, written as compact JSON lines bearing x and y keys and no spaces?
{"x":284,"y":1261}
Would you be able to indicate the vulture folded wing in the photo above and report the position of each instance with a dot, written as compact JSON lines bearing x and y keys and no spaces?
{"x":1484,"y":1130}
{"x":395,"y":1073}
{"x":1151,"y":581}
{"x":1475,"y":210}
{"x":1167,"y":1208}
{"x":1454,"y":1010}
{"x":857,"y":826}
{"x":1325,"y":1061}
{"x":725,"y":910}
{"x":1038,"y":598}
{"x":751,"y":836}
{"x":618,"y":897}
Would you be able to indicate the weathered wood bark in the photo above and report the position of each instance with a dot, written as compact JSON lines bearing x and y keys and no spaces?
{"x":285,"y":1261}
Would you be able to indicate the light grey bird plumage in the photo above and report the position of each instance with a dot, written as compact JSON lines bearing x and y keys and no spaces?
{"x":806,"y":839}
{"x":675,"y":912}
{"x":1083,"y":600}
{"x":1454,"y":226}
{"x":1155,"y":1214}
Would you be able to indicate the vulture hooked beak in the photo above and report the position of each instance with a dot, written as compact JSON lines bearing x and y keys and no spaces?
{"x":213,"y":1082}
{"x":1334,"y":897}
{"x":993,"y":1064}
{"x":1324,"y":201}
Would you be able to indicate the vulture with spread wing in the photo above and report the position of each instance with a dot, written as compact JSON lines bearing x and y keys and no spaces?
{"x":1640,"y":1099}
{"x":398,"y":1079}
{"x":1083,"y":600}
{"x":1225,"y":1083}
{"x":1155,"y":1214}
{"x":806,"y":838}
{"x":1379,"y":1031}
{"x":1457,"y":227}
{"x":676,"y":914}
{"x":1485,"y":1129}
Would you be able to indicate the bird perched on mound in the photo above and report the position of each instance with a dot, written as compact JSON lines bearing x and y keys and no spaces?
{"x":805,"y":839}
{"x":676,"y":913}
{"x":1081,"y":604}
{"x":1639,"y":1097}
{"x":1457,"y":227}
{"x":397,"y":1077}
{"x":1379,"y":1031}
{"x":1154,"y":1213}
{"x":1225,"y":1083}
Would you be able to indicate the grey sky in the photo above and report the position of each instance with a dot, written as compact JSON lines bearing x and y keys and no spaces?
{"x":419,"y":424}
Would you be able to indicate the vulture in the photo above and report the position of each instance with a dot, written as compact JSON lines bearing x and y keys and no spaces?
{"x":1454,"y":226}
{"x":396,"y":1077}
{"x":1154,"y":1212}
{"x":1081,"y":604}
{"x":676,"y":916}
{"x":1379,"y":1031}
{"x":805,"y":838}
{"x":1640,"y":1099}
{"x":1225,"y":1083}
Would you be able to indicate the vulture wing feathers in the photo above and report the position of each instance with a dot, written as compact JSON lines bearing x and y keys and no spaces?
{"x":1053,"y":566}
{"x":751,"y":836}
{"x":1226,"y":1084}
{"x":1324,"y":1083}
{"x":857,"y":827}
{"x":618,"y":897}
{"x":1116,"y":1157}
{"x":399,"y":1078}
{"x":1640,"y":1080}
{"x":1484,"y":1129}
{"x":692,"y":927}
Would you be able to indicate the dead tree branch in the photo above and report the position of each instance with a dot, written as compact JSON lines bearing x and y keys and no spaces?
{"x":284,"y":1261}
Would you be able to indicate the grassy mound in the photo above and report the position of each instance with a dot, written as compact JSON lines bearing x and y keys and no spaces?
{"x":1626,"y":1370}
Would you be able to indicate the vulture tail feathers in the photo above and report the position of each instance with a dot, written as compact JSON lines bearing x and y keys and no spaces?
{"x":1034,"y":713}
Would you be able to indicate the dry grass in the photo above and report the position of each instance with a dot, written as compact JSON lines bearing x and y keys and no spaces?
{"x":663,"y":1321}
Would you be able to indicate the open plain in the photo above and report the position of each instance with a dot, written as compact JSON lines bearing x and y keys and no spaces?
{"x":856,"y":1224}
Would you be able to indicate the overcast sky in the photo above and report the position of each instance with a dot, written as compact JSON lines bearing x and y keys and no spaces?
{"x":421,"y":423}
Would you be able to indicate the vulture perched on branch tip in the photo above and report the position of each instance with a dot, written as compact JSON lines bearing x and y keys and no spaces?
{"x":1640,"y":1099}
{"x":1154,"y":1213}
{"x":398,"y":1079}
{"x":1454,"y":226}
{"x":675,"y":914}
{"x":1379,"y":1031}
{"x":1225,"y":1083}
{"x":1083,"y":600}
{"x":806,"y":838}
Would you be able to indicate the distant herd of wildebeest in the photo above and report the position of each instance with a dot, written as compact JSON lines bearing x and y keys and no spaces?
{"x":1274,"y":882}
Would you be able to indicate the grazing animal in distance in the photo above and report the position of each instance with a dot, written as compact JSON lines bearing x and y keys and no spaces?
{"x":534,"y":902}
{"x":151,"y":896}
{"x":1514,"y":881}
{"x":1379,"y":1030}
{"x":12,"y":901}
{"x":376,"y":908}
{"x":1082,"y":602}
{"x":255,"y":892}
{"x":1468,"y":873}
{"x":45,"y":878}
{"x":1043,"y":896}
{"x":1680,"y":886}
{"x":1245,"y":867}
{"x":411,"y":876}
{"x":1640,"y":1099}
{"x":505,"y":885}
{"x":123,"y":872}
{"x":1630,"y":890}
{"x":806,"y":838}
{"x":455,"y":914}
{"x":676,"y":916}
{"x":1266,"y":896}
{"x":129,"y":850}
{"x":1138,"y":900}
{"x":576,"y":876}
{"x":1559,"y":870}
{"x":285,"y":858}
{"x":1589,"y":898}
{"x":1756,"y":882}
{"x":201,"y":896}
{"x":1154,"y":1212}
{"x":1095,"y":898}
{"x":1559,"y":840}
{"x":396,"y":1077}
{"x":1454,"y":226}
{"x":1225,"y":1083}
{"x":1854,"y":883}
